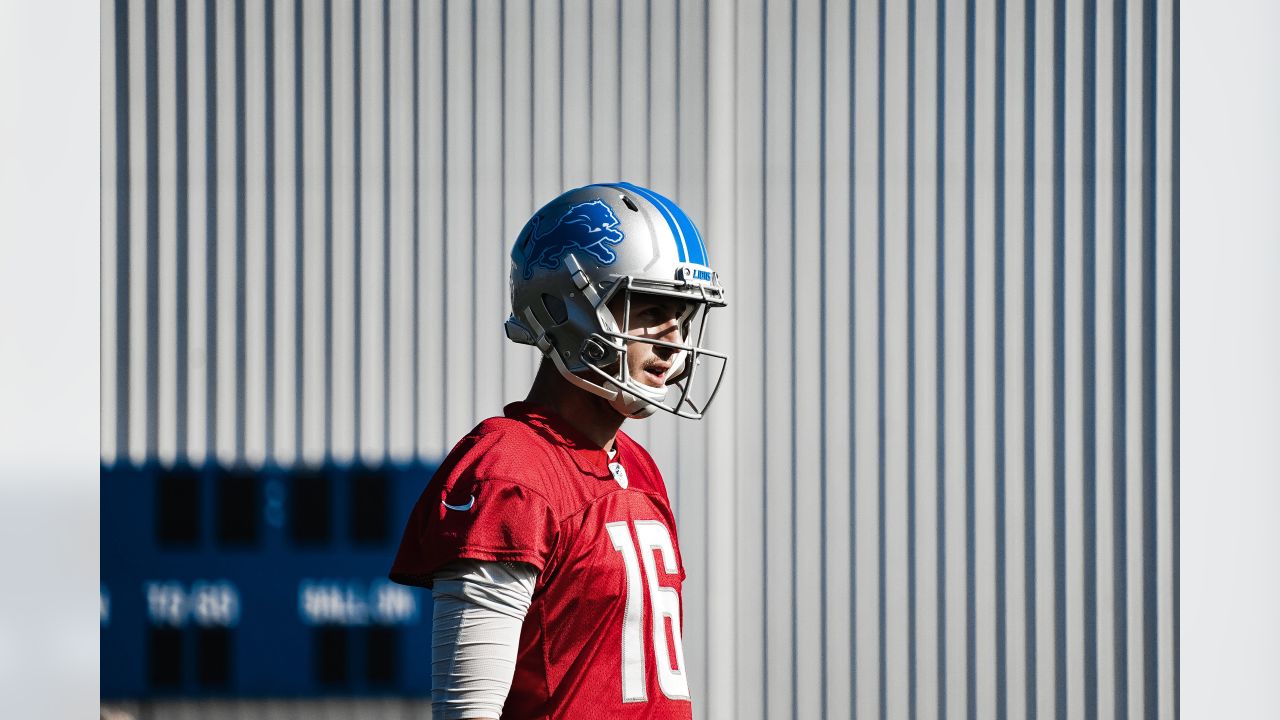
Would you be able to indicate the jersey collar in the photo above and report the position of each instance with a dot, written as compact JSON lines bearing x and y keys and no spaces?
{"x":589,"y":459}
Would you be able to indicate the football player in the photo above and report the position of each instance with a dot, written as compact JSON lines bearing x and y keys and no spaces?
{"x":546,"y":535}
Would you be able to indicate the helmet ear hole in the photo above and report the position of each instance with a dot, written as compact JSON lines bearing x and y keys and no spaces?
{"x":555,"y":308}
{"x":594,"y":351}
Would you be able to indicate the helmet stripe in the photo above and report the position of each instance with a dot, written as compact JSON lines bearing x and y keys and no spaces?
{"x":693,"y":239}
{"x":700,"y":249}
{"x":673,"y":218}
{"x":663,"y":208}
{"x":697,"y":251}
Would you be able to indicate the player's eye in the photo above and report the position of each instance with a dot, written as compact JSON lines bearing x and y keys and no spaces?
{"x":648,"y":314}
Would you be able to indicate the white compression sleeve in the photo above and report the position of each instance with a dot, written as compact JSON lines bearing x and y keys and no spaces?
{"x":475,"y":633}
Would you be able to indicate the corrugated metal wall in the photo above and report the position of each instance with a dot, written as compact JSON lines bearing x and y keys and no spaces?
{"x":942,"y":481}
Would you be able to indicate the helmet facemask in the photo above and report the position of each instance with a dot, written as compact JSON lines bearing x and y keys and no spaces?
{"x":692,"y":373}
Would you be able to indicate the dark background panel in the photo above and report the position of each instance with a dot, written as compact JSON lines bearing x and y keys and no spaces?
{"x":202,"y":569}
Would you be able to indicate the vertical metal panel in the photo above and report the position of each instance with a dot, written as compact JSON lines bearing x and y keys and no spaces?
{"x":606,"y":107}
{"x":166,"y":281}
{"x":1020,"y":672}
{"x":1165,"y":382}
{"x":834,"y":343}
{"x":749,"y":379}
{"x":982,"y":504}
{"x":779,"y":413}
{"x":288,"y":229}
{"x":1076,"y":626}
{"x":199,"y":411}
{"x":491,"y":245}
{"x":1132,"y":400}
{"x":952,"y":348}
{"x":253,"y":394}
{"x":112,"y":403}
{"x":312,"y":344}
{"x":892,"y":327}
{"x":225,"y":299}
{"x":458,"y":339}
{"x":150,"y":248}
{"x":941,"y":481}
{"x":140,"y":228}
{"x":351,"y":257}
{"x":865,"y":361}
{"x":930,"y":488}
{"x":577,"y":94}
{"x":1041,"y":344}
{"x":401,"y":271}
{"x":805,"y":366}
{"x":547,"y":80}
{"x":369,"y":272}
{"x":432,"y":288}
{"x":1104,"y":358}
{"x":517,"y":172}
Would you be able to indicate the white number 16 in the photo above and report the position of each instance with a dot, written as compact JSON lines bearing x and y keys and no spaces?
{"x":665,"y":602}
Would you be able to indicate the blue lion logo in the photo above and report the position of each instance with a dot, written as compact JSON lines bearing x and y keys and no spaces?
{"x":590,"y":227}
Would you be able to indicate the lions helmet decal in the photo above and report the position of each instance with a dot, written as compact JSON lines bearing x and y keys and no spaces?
{"x":590,"y":227}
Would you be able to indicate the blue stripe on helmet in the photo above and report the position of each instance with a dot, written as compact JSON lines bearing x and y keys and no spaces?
{"x":689,"y":243}
{"x":692,"y":238}
{"x":672,"y":225}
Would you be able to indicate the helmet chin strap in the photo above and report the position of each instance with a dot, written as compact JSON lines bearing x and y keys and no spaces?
{"x":624,"y":401}
{"x":628,"y":399}
{"x":633,"y":407}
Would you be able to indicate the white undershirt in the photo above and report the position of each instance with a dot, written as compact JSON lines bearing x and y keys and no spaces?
{"x":475,"y":633}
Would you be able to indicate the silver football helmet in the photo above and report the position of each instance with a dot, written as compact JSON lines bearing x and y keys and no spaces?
{"x":604,"y":244}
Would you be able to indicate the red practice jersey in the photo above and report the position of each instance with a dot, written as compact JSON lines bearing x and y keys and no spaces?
{"x":602,"y":637}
